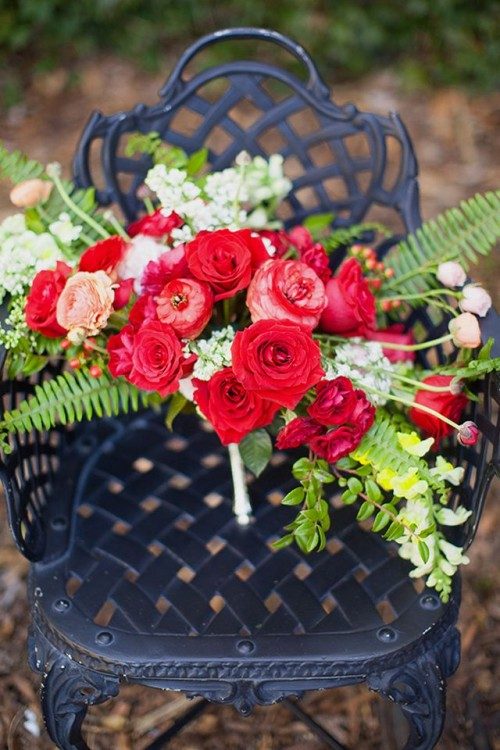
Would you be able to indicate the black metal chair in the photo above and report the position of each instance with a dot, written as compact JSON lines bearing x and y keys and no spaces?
{"x":140,"y":573}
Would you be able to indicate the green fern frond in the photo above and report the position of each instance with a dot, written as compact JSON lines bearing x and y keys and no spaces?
{"x":16,"y":167}
{"x":71,"y":397}
{"x":460,"y":234}
{"x":345,"y":236}
{"x":380,"y":448}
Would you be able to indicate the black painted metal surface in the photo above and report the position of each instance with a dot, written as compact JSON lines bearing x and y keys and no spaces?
{"x":140,"y":571}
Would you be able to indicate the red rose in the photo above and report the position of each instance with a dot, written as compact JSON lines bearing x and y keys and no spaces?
{"x":143,"y":311}
{"x":336,"y":443}
{"x":223,"y":259}
{"x":363,"y":414}
{"x":278,"y":239}
{"x":103,"y":256}
{"x":446,"y":403}
{"x":258,"y":249}
{"x":298,"y":432}
{"x":123,"y":292}
{"x":351,"y":306}
{"x":232,"y":410}
{"x":186,"y":304}
{"x":334,"y":403}
{"x":40,"y":309}
{"x":278,"y":360}
{"x":286,"y":290}
{"x":157,"y":224}
{"x":394,"y":334}
{"x":170,"y":265}
{"x":151,"y":358}
{"x":316,"y":258}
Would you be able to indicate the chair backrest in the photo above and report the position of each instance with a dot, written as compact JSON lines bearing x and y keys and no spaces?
{"x":338,"y":158}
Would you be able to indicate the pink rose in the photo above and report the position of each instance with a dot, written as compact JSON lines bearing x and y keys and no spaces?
{"x":316,"y":258}
{"x":475,"y":300}
{"x":465,"y":331}
{"x":286,"y":290}
{"x":336,"y":444}
{"x":451,"y":274}
{"x":186,"y":304}
{"x":86,"y":303}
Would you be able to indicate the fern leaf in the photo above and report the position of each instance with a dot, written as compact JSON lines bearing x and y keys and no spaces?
{"x":69,"y":397}
{"x":345,"y":236}
{"x":16,"y":167}
{"x":460,"y":234}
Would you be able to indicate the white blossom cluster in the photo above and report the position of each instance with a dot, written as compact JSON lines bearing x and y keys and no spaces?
{"x":23,"y":253}
{"x":366,"y":365}
{"x":64,"y":230}
{"x":14,"y":328}
{"x":213,"y":354}
{"x":232,"y":198}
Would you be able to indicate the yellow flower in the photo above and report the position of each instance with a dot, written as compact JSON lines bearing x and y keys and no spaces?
{"x":409,"y":485}
{"x":385,"y":478}
{"x":411,"y":443}
{"x":361,"y":458}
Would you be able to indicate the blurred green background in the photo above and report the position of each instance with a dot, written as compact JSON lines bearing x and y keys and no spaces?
{"x":432,"y":42}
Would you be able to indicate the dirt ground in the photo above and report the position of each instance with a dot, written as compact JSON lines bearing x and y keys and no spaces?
{"x":454,"y":135}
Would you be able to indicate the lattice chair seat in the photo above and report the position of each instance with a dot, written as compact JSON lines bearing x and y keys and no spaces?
{"x":140,"y":571}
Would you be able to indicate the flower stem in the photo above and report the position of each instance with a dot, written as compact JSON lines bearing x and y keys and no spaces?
{"x":109,"y":216}
{"x":421,"y":295}
{"x":386,"y":344}
{"x":418,"y":383}
{"x":148,"y":203}
{"x":76,"y":209}
{"x":413,"y":404}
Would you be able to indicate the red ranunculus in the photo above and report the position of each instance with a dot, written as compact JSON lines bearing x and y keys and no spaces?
{"x":316,"y":258}
{"x":394,"y":334}
{"x":351,"y":306}
{"x":223,"y":259}
{"x":363,"y":414}
{"x":337,"y":443}
{"x":123,"y":292}
{"x":334,"y":403}
{"x":151,"y":358}
{"x":232,"y":410}
{"x":157,"y":224}
{"x":186,"y":304}
{"x":103,"y":256}
{"x":143,"y":311}
{"x":446,"y":403}
{"x":286,"y":290}
{"x":298,"y":432}
{"x":171,"y":265}
{"x":278,"y":360}
{"x":40,"y":310}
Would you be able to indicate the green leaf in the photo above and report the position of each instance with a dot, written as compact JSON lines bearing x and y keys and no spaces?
{"x":365,"y":511}
{"x":485,"y":351}
{"x":316,"y":223}
{"x":423,"y":550}
{"x":394,"y":531}
{"x":348,"y":498}
{"x":373,"y":490}
{"x":380,"y":521}
{"x":175,"y":406}
{"x":284,"y":541}
{"x":197,"y":161}
{"x":302,"y":468}
{"x":354,"y":485}
{"x":256,"y":450}
{"x":294,"y":497}
{"x":34,"y":363}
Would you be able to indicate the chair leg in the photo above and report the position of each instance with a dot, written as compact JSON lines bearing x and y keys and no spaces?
{"x":419,"y":689}
{"x":67,"y":692}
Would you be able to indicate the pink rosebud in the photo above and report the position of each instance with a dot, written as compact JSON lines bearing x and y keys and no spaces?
{"x":475,"y":300}
{"x":30,"y":192}
{"x":465,"y":331}
{"x":451,"y":274}
{"x":468,"y":433}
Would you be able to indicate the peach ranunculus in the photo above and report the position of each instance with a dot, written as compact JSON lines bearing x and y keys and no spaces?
{"x":30,"y":192}
{"x":85,"y":304}
{"x":465,"y":331}
{"x":286,"y":290}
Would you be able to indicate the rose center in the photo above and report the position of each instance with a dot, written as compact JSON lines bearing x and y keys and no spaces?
{"x":298,"y":289}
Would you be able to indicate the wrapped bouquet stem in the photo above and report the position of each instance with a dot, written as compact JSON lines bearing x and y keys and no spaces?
{"x":208,"y":304}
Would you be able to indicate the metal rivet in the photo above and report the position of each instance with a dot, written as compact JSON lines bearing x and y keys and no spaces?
{"x":62,"y":605}
{"x":245,"y":647}
{"x":430,"y":601}
{"x":104,"y":638}
{"x":386,"y":635}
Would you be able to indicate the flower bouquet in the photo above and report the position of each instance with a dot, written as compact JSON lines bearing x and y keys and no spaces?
{"x":206,"y":303}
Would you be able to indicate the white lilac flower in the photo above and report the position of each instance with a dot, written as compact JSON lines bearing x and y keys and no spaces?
{"x":264,"y":180}
{"x":366,"y":365}
{"x":23,"y":253}
{"x":213,"y":354}
{"x":172,"y":187}
{"x":64,"y":230}
{"x":14,"y":328}
{"x":141,"y":251}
